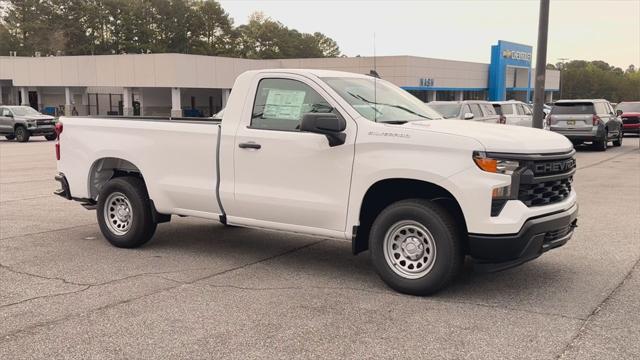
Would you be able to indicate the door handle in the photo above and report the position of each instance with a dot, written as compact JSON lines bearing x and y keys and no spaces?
{"x":249,"y":145}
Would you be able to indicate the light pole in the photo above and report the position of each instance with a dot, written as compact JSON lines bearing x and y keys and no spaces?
{"x":563,"y":61}
{"x":541,"y":64}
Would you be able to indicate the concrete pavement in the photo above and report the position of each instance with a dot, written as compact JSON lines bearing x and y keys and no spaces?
{"x":201,"y":290}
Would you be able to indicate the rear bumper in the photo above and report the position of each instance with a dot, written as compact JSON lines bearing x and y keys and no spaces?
{"x":537,"y":235}
{"x":582,"y":135}
{"x":64,"y":190}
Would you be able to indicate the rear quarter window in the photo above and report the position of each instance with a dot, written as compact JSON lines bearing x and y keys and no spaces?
{"x":488,"y":109}
{"x":573,"y":109}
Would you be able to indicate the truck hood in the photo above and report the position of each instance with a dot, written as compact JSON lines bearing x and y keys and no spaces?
{"x":631,"y":114}
{"x":499,"y":137}
{"x":35,"y":117}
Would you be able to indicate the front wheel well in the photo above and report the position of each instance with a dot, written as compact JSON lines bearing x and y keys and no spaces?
{"x":385,"y":192}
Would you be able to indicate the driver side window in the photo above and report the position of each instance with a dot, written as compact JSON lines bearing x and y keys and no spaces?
{"x":4,"y":112}
{"x":281,"y":103}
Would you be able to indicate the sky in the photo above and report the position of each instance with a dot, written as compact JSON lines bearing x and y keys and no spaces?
{"x":462,"y":29}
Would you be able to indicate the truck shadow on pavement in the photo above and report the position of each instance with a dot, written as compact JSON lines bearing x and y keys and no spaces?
{"x":276,"y":260}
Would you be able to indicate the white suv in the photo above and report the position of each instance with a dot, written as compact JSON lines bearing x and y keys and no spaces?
{"x":514,"y":112}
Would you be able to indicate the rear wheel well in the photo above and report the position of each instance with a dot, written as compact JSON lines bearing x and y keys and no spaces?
{"x":385,"y":192}
{"x":108,"y":168}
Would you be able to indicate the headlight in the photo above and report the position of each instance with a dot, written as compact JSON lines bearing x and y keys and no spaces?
{"x":498,"y":166}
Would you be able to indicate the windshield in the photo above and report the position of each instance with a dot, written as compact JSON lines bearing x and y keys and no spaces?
{"x":23,"y":111}
{"x":448,"y":110}
{"x":629,"y":106}
{"x":572,"y":109}
{"x":384,"y":103}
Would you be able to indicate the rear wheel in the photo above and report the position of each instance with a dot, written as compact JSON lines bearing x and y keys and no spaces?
{"x":124,"y":212}
{"x":415,"y":247}
{"x":22,"y":134}
{"x":10,"y":137}
{"x":50,"y":137}
{"x":618,"y":141}
{"x":601,"y":145}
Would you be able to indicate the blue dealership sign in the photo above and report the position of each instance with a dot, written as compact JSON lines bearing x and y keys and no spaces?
{"x":503,"y":55}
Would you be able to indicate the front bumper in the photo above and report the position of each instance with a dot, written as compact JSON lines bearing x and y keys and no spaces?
{"x":41,"y":130}
{"x":537,"y":235}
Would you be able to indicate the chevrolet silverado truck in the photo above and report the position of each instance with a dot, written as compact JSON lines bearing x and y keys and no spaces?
{"x":335,"y":155}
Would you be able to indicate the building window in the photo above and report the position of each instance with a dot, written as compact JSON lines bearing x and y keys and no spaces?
{"x":475,"y":95}
{"x":446,"y":95}
{"x":420,"y":94}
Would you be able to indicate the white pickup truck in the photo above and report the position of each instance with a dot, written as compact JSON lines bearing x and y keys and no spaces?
{"x":336,"y":155}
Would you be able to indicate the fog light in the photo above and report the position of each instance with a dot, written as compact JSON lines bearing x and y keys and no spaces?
{"x":501,"y":192}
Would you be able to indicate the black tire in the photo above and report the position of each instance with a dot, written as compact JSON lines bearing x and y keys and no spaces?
{"x":601,"y":145}
{"x":10,"y":137}
{"x":445,"y":238}
{"x":140,"y":225}
{"x":50,"y":137}
{"x":22,"y":134}
{"x":618,"y":141}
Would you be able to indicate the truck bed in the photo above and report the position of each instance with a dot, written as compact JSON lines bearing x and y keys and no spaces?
{"x":178,"y":157}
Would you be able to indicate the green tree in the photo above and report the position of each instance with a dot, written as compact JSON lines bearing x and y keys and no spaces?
{"x":598,"y":79}
{"x":328,"y":46}
{"x":217,"y":35}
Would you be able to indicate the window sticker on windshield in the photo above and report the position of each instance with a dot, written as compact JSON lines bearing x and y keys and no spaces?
{"x":284,"y":104}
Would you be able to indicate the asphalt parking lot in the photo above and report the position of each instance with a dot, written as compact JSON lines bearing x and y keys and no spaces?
{"x":200,"y":290}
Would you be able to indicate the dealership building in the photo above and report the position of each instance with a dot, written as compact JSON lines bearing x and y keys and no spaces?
{"x":195,"y":85}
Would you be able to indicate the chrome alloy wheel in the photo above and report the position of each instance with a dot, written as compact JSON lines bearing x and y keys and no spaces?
{"x":409,"y":249}
{"x":118,"y":214}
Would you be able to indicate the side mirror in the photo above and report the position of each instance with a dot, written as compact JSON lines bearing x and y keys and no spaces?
{"x":619,"y":112}
{"x":468,"y":116}
{"x":328,"y":124}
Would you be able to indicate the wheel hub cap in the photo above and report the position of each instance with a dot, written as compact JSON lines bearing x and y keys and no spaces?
{"x":117,"y":213}
{"x":413,"y":248}
{"x":409,"y":249}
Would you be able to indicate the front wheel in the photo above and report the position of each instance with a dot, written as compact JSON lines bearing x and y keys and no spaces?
{"x":22,"y":134}
{"x":50,"y":137}
{"x":124,"y":212}
{"x":415,"y":247}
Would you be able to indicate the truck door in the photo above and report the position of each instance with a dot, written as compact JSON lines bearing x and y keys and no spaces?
{"x":6,"y":121}
{"x":286,"y":176}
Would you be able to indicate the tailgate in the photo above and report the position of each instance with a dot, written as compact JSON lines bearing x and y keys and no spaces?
{"x":581,"y":122}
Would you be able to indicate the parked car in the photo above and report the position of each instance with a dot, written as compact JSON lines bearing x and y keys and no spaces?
{"x":630,"y":113}
{"x":476,"y":110}
{"x":514,"y":112}
{"x":22,"y":122}
{"x":591,"y":120}
{"x":336,"y":155}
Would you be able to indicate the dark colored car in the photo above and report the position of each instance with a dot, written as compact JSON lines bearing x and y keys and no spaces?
{"x":630,"y":116}
{"x":590,"y":120}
